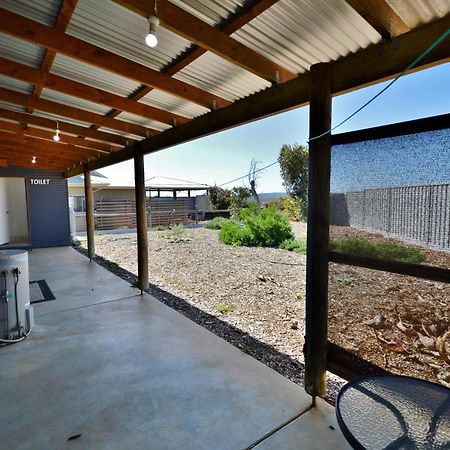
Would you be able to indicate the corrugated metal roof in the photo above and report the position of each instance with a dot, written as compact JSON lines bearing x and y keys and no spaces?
{"x":139,"y":120}
{"x":121,"y":31}
{"x":173,"y":104}
{"x":73,"y":101}
{"x":21,"y":51}
{"x":419,"y":12}
{"x":90,"y":75}
{"x":15,"y":85}
{"x":11,"y":106}
{"x":56,"y":117}
{"x":220,"y":77}
{"x":120,"y":133}
{"x":43,"y":11}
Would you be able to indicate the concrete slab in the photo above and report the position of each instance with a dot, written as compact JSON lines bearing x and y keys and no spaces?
{"x":316,"y":429}
{"x":74,"y":281}
{"x":135,"y":374}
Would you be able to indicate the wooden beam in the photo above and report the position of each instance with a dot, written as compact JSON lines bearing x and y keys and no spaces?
{"x":12,"y":151}
{"x":95,"y":147}
{"x":90,"y":224}
{"x":31,"y":31}
{"x":141,"y":220}
{"x":181,"y":22}
{"x":382,"y":17}
{"x":61,"y":23}
{"x":73,"y":113}
{"x":55,"y":82}
{"x":236,"y":21}
{"x":366,"y":67}
{"x":29,"y":165}
{"x":114,"y":140}
{"x":316,"y":323}
{"x":396,"y":129}
{"x":423,"y":271}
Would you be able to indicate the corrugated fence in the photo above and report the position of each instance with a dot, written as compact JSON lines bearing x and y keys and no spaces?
{"x":418,"y":213}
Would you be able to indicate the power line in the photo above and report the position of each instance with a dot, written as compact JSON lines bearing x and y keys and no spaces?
{"x":247,"y":174}
{"x":176,"y":179}
{"x":410,"y":66}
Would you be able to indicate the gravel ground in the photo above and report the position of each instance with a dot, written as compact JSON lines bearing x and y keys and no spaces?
{"x":255,"y":299}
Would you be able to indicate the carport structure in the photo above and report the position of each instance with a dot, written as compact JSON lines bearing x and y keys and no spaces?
{"x":82,"y":67}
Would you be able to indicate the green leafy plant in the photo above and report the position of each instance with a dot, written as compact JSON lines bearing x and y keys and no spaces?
{"x":224,"y":309}
{"x":216,"y":223}
{"x":176,"y":235}
{"x":258,"y":227}
{"x":294,"y":208}
{"x":348,"y":281}
{"x":294,"y":245}
{"x":158,"y":228}
{"x":383,"y":250}
{"x":293,"y":161}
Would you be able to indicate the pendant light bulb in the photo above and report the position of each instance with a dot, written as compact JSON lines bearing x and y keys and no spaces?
{"x":33,"y":159}
{"x":56,"y":137}
{"x":151,"y":40}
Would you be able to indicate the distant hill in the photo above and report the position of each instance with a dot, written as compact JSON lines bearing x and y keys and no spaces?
{"x":266,"y":196}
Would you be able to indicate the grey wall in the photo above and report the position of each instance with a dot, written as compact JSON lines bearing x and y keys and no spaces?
{"x":416,"y":213}
{"x":48,"y":211}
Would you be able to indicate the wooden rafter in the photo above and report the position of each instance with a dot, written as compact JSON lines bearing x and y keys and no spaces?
{"x":61,"y":23}
{"x":252,"y":10}
{"x":348,"y":74}
{"x":197,"y":31}
{"x":382,"y":17}
{"x":14,"y":161}
{"x":58,"y":148}
{"x":71,"y":112}
{"x":114,"y":141}
{"x":26,"y":130}
{"x":57,"y":83}
{"x":31,"y":31}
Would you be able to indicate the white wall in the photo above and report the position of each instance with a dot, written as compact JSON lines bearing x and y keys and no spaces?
{"x":17,"y":208}
{"x":4,"y":226}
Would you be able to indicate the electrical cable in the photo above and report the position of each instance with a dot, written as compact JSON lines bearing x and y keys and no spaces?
{"x":246,"y":175}
{"x":176,"y":179}
{"x":410,"y":66}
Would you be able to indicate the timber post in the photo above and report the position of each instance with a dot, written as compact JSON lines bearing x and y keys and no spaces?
{"x":318,"y":231}
{"x":90,"y":225}
{"x":141,"y":220}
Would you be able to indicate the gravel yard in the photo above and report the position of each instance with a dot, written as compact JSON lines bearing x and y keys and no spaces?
{"x":255,"y":298}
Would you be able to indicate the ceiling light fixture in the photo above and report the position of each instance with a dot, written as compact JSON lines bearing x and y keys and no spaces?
{"x":33,"y":159}
{"x":151,"y":40}
{"x":56,"y":137}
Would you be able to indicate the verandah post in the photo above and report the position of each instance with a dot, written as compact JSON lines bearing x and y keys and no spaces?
{"x":89,"y":200}
{"x":141,"y":219}
{"x":318,"y":231}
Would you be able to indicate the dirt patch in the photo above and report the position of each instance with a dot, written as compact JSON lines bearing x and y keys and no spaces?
{"x":260,"y":294}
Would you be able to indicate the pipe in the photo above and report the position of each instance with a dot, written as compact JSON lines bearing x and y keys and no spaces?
{"x":5,"y":298}
{"x":16,"y":273}
{"x":13,"y":341}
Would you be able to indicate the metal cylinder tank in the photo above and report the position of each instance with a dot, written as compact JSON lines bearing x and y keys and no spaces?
{"x":14,"y":287}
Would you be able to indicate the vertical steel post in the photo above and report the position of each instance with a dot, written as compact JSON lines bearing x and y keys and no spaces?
{"x":318,"y":231}
{"x":89,"y":200}
{"x":141,"y":220}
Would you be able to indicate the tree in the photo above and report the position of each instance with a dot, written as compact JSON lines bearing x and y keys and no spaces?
{"x":252,"y":178}
{"x":293,"y":161}
{"x":235,"y":198}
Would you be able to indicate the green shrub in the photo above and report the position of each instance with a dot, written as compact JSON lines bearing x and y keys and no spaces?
{"x":264,"y":228}
{"x":216,"y":223}
{"x":294,"y":245}
{"x":294,"y":209}
{"x":158,"y":228}
{"x":382,"y":250}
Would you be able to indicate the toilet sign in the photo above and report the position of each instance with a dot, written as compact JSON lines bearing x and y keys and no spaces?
{"x":40,"y":180}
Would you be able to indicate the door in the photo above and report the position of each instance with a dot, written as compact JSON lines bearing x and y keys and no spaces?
{"x":4,"y":227}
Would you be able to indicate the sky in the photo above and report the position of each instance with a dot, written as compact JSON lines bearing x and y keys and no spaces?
{"x":224,"y":156}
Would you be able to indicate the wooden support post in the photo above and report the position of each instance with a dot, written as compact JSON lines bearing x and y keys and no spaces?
{"x":174,"y":194}
{"x":318,"y":231}
{"x":141,"y":220}
{"x":89,"y":200}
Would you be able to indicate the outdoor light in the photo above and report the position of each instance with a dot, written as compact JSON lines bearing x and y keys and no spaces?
{"x":151,"y":40}
{"x":56,"y":136}
{"x":33,"y":159}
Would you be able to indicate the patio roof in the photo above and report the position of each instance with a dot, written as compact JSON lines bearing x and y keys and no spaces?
{"x":83,"y":67}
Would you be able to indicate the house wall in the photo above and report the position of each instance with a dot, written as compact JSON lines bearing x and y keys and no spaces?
{"x":47,"y":206}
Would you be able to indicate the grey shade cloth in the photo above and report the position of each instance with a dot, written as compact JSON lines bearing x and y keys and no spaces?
{"x":395,"y":412}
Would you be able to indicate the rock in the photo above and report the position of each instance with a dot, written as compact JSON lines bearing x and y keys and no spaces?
{"x":294,"y":325}
{"x":427,"y":342}
{"x":378,"y":322}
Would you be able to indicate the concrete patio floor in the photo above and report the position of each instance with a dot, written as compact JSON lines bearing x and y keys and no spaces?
{"x":124,"y":371}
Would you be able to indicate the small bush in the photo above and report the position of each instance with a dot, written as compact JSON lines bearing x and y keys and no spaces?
{"x":216,"y":223}
{"x":224,"y":309}
{"x":158,"y":228}
{"x":294,"y":209}
{"x":294,"y":245}
{"x":382,"y":250}
{"x":264,"y":228}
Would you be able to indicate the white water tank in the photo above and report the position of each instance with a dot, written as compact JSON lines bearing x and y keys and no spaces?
{"x":14,"y":270}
